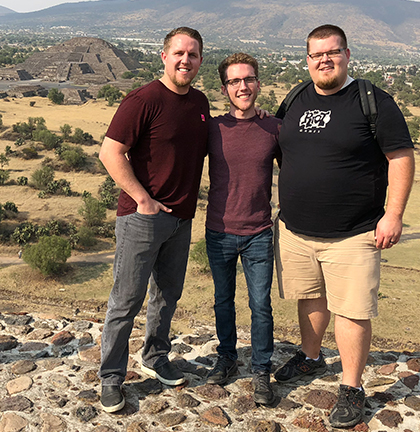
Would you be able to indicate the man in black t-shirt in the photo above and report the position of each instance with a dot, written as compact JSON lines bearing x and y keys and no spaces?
{"x":332,"y":188}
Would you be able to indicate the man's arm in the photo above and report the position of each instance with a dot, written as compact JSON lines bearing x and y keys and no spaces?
{"x":400,"y":180}
{"x":112,"y":155}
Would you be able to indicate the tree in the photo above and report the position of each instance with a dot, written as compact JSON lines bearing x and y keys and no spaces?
{"x":41,"y":177}
{"x":80,"y":137}
{"x":48,"y":255}
{"x":92,"y":211}
{"x":55,"y":96}
{"x":49,"y":139}
{"x":110,"y":94}
{"x":74,"y":156}
{"x":66,"y":131}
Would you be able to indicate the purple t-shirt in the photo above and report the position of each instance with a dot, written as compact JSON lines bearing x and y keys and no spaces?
{"x":167,"y":133}
{"x":241,"y":154}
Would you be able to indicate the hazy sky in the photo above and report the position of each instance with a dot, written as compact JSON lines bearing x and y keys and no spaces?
{"x":34,"y":5}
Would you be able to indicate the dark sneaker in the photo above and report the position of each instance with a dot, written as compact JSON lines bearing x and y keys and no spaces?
{"x":263,"y":393}
{"x":348,"y":411}
{"x":167,"y":373}
{"x":112,"y":398}
{"x":224,"y":368}
{"x":298,"y":367}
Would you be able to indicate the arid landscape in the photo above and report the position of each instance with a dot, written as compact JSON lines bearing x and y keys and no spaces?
{"x":84,"y":287}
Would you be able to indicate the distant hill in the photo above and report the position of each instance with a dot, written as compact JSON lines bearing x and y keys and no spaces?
{"x":6,"y":11}
{"x":369,"y":23}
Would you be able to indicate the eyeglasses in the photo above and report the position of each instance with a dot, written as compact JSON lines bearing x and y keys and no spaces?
{"x":330,"y":54}
{"x":236,"y":82}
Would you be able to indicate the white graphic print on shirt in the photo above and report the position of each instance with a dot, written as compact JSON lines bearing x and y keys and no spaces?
{"x":313,"y":121}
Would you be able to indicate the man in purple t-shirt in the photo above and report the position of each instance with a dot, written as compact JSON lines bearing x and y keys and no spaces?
{"x":241,"y":150}
{"x":154,"y":149}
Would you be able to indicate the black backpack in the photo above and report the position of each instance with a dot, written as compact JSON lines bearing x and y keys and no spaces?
{"x":367,"y":98}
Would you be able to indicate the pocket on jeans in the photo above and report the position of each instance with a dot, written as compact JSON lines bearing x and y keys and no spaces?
{"x":147,"y":216}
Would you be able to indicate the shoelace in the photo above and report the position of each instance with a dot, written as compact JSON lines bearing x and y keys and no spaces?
{"x":221,"y":364}
{"x":342,"y":398}
{"x":262,"y":383}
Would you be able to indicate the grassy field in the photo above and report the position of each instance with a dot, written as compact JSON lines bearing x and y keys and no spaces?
{"x":86,"y":285}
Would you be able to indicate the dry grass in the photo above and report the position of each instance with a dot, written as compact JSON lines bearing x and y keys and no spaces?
{"x":90,"y":284}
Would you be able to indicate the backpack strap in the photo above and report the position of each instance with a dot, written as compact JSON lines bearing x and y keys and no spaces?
{"x":368,"y":101}
{"x":290,"y":97}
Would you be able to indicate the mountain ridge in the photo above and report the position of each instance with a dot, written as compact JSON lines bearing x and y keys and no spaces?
{"x":386,"y":23}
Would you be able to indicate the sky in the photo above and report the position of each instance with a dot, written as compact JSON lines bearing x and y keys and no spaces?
{"x":34,"y":5}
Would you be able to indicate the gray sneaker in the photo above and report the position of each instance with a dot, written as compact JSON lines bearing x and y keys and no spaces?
{"x":263,"y":393}
{"x":348,"y":411}
{"x":112,"y":399}
{"x":298,"y":367}
{"x":167,"y":373}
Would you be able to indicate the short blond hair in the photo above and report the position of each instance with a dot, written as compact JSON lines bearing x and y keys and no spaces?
{"x":186,"y":31}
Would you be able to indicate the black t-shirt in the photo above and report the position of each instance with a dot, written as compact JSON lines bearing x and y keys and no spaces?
{"x":333,"y":177}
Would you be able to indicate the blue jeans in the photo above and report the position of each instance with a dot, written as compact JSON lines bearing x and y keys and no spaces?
{"x":256,"y":252}
{"x":148,"y":246}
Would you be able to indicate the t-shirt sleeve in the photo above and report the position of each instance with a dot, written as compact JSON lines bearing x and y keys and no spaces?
{"x":391,"y":127}
{"x":130,"y":120}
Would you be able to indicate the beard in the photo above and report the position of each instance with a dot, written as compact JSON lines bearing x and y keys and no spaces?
{"x":183,"y":82}
{"x":246,"y":107}
{"x":328,"y":84}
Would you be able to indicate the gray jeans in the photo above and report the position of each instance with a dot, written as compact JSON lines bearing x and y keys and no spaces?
{"x":148,"y":246}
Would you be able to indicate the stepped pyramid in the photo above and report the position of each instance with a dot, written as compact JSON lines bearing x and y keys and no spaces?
{"x":83,"y":60}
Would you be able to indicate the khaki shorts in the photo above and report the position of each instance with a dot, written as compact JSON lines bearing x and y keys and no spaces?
{"x":344,"y":270}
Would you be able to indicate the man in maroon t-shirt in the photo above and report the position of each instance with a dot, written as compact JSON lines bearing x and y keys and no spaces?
{"x":154,"y":149}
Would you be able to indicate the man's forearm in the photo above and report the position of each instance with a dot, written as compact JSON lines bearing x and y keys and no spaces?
{"x":113,"y":157}
{"x":400,"y":180}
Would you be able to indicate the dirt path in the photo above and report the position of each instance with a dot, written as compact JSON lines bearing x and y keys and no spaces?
{"x":103,"y":257}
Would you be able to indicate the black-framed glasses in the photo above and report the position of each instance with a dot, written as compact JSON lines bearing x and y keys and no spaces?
{"x":330,"y":54}
{"x":236,"y":82}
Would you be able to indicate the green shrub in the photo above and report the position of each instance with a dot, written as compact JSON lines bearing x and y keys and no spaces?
{"x":4,"y":176}
{"x":10,"y":206}
{"x":48,"y":139}
{"x":59,"y":187}
{"x":22,"y":181}
{"x":41,"y":177}
{"x":29,"y":153}
{"x":19,"y":142}
{"x":74,"y":157}
{"x":66,"y":131}
{"x":56,"y":96}
{"x":86,"y":237}
{"x":92,"y":211}
{"x":24,"y":233}
{"x":110,"y":94}
{"x":198,"y":254}
{"x":48,"y":255}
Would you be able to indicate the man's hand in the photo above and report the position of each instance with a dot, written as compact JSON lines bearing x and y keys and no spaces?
{"x":261,"y":113}
{"x":151,"y":207}
{"x":388,"y":231}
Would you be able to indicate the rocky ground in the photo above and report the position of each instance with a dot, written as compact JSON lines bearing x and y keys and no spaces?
{"x":48,"y":376}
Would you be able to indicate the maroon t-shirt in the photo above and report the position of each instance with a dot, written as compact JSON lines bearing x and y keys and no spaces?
{"x":241,"y":153}
{"x":167,"y":133}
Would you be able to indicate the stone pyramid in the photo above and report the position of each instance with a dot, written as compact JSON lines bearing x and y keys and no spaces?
{"x":83,"y":60}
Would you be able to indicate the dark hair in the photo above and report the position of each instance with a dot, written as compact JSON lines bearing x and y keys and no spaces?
{"x":237,"y":58}
{"x":186,"y":31}
{"x":325,"y":31}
